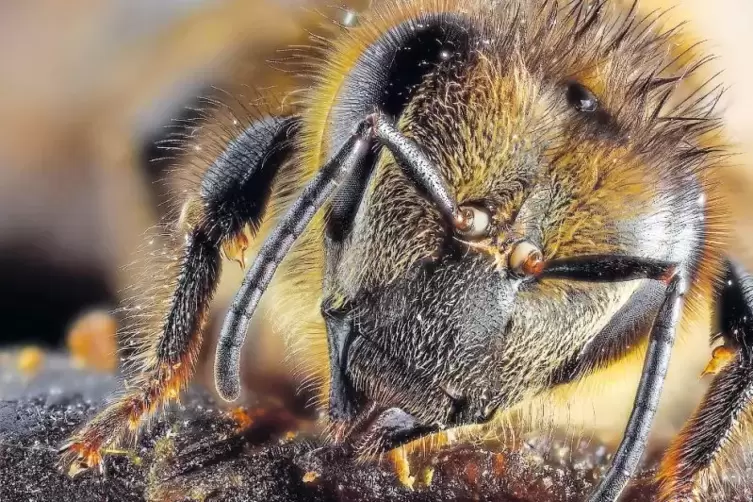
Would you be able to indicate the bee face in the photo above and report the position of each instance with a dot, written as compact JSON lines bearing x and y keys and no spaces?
{"x":422,"y":342}
{"x":559,"y":153}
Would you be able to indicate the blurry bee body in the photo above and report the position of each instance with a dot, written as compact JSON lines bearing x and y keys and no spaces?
{"x":517,"y":194}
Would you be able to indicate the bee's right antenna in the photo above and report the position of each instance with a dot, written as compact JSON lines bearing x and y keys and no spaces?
{"x":614,"y":268}
{"x":416,"y":165}
{"x":421,"y":170}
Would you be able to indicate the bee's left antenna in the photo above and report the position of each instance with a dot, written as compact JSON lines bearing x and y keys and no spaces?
{"x":271,"y":254}
{"x":421,"y":170}
{"x":411,"y":159}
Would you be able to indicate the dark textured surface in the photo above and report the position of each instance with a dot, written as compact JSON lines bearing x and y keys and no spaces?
{"x":195,"y":453}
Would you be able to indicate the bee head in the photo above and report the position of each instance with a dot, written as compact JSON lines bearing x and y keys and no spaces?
{"x":547,"y":124}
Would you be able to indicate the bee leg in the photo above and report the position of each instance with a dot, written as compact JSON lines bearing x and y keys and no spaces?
{"x":661,"y":340}
{"x":704,"y":448}
{"x":233,"y":196}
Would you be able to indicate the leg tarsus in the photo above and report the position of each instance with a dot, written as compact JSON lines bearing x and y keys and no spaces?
{"x":162,"y":379}
{"x":119,"y":420}
{"x":79,"y":457}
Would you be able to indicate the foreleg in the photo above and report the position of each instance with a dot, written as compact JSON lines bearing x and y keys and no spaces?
{"x":709,"y":441}
{"x":231,"y":199}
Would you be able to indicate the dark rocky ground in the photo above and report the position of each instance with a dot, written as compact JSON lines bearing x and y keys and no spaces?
{"x":195,"y":452}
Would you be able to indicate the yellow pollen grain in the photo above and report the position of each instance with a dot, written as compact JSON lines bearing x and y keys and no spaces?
{"x":399,"y":458}
{"x":310,"y":477}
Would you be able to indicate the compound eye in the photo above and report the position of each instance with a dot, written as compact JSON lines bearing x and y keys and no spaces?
{"x":581,"y":97}
{"x":477,"y":222}
{"x":525,"y":259}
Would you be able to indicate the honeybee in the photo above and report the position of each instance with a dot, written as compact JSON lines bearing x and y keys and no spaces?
{"x":471,"y":203}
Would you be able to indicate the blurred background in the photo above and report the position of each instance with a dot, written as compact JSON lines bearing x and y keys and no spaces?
{"x":88,"y":87}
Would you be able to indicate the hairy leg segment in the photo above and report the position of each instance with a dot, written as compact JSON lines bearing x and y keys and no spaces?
{"x":232,"y":198}
{"x":708,"y":445}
